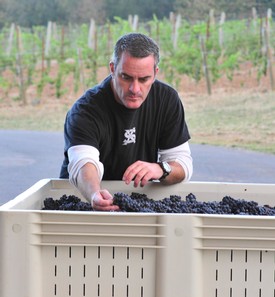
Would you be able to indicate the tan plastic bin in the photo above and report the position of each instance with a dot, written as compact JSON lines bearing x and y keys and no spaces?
{"x":107,"y":254}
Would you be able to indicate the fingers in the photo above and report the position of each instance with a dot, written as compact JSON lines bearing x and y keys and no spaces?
{"x":102,"y":200}
{"x":141,"y":172}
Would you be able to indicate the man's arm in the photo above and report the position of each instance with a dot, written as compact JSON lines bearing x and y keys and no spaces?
{"x":88,"y":183}
{"x":179,"y":159}
{"x":180,"y":155}
{"x":177,"y":174}
{"x":85,"y":172}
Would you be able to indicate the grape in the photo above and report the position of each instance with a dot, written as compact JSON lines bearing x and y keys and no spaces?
{"x":174,"y":204}
{"x":65,"y":202}
{"x":136,"y":202}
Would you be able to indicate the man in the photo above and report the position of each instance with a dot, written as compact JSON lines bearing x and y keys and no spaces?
{"x":130,"y":127}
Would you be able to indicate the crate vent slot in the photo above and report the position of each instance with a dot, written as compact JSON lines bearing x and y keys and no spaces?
{"x":84,"y":290}
{"x":241,"y":271}
{"x":96,"y":265}
{"x":98,"y":271}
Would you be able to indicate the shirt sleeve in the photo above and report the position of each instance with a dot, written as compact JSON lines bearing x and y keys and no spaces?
{"x":180,"y":154}
{"x":78,"y":156}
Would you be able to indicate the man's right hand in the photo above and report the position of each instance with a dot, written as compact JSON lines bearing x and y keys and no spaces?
{"x":102,"y":200}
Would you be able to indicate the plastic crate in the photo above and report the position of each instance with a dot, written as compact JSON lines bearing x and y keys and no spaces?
{"x":107,"y":254}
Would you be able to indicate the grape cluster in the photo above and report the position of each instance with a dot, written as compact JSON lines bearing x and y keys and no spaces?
{"x":137,"y":202}
{"x":65,"y":202}
{"x":174,"y":204}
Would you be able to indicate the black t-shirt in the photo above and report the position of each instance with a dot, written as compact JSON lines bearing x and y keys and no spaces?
{"x":123,"y":135}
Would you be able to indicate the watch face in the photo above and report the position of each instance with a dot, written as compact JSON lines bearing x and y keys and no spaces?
{"x":166,"y":167}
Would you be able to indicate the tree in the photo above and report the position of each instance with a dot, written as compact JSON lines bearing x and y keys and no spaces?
{"x":235,"y":9}
{"x":145,"y":9}
{"x":194,"y":9}
{"x":28,"y":13}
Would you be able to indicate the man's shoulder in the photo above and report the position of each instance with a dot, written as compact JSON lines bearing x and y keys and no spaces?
{"x":162,"y":90}
{"x":99,"y":89}
{"x":164,"y":86}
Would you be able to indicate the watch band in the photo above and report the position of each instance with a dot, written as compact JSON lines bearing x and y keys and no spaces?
{"x":165,"y":168}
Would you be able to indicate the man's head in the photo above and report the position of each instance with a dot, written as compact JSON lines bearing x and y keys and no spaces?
{"x":136,"y":45}
{"x":133,"y":67}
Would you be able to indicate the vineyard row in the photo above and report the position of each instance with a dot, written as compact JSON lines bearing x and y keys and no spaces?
{"x":206,"y":50}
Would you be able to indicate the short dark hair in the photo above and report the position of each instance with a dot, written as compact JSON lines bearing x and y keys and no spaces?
{"x":137,"y":45}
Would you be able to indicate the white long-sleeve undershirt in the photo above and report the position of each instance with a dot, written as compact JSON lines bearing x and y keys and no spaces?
{"x":79,"y":155}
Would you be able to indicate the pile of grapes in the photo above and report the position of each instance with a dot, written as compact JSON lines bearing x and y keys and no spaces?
{"x":65,"y":202}
{"x":137,"y":202}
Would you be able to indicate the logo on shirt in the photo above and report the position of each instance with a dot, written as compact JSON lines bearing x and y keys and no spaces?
{"x":130,"y":136}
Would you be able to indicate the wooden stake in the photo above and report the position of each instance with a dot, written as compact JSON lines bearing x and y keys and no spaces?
{"x":81,"y":68}
{"x":176,"y":31}
{"x":43,"y":58}
{"x":269,"y":58}
{"x":62,"y":43}
{"x":205,"y":67}
{"x":222,"y":20}
{"x":20,"y":66}
{"x":135,"y":23}
{"x":9,"y":47}
{"x":91,"y":41}
{"x":48,"y":39}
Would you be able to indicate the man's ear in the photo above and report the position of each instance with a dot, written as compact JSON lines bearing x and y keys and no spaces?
{"x":156,"y":71}
{"x":112,"y":67}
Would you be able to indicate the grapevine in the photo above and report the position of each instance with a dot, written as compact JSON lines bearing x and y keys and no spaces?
{"x":242,"y":41}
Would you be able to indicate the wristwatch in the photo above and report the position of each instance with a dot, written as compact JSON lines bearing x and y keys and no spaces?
{"x":166,"y":169}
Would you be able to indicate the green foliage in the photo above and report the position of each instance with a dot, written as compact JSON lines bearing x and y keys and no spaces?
{"x":63,"y":70}
{"x":242,"y":41}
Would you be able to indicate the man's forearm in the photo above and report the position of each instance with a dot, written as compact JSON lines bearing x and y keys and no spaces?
{"x":88,"y":181}
{"x":177,"y":174}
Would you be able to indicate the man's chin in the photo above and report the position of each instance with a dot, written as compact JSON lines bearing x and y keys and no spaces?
{"x":133,"y":104}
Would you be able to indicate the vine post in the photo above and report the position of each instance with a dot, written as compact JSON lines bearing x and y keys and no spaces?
{"x":221,"y":37}
{"x":268,"y":48}
{"x":92,"y":44}
{"x":62,"y":43}
{"x":48,"y":38}
{"x":81,"y":68}
{"x":135,"y":23}
{"x":91,"y":39}
{"x":10,"y":40}
{"x":20,"y":66}
{"x":175,"y":33}
{"x":205,"y":66}
{"x":41,"y":83}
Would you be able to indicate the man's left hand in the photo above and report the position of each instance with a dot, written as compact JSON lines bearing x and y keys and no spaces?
{"x":141,"y":172}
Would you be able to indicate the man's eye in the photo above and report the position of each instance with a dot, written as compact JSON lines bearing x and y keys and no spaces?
{"x":143,"y":80}
{"x":125,"y":77}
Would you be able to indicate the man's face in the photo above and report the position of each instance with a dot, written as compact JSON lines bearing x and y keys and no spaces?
{"x":132,"y":79}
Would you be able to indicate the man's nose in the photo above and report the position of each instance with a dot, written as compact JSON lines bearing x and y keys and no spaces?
{"x":134,"y":87}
